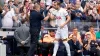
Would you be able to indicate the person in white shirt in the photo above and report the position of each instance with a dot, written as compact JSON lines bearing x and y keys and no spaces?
{"x":62,"y":30}
{"x":9,"y":18}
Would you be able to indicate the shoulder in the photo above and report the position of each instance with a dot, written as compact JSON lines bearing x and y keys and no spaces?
{"x":62,"y":9}
{"x":46,"y":35}
{"x":87,"y":33}
{"x":17,"y":29}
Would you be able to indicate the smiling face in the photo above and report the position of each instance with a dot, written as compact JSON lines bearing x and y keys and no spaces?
{"x":57,"y":5}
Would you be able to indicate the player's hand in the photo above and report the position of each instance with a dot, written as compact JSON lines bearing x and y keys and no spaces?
{"x":49,"y":14}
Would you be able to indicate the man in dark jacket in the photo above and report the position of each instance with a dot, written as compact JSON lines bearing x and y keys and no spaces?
{"x":35,"y":26}
{"x":22,"y":37}
{"x":75,"y":47}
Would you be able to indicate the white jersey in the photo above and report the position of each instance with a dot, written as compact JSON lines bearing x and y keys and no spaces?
{"x":61,"y":16}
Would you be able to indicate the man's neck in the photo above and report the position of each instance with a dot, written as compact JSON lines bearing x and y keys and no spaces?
{"x":58,"y":9}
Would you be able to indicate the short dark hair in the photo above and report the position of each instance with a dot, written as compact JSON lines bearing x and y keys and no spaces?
{"x":51,"y":30}
{"x":91,"y":26}
{"x":75,"y":28}
{"x":23,"y":21}
{"x":58,"y":3}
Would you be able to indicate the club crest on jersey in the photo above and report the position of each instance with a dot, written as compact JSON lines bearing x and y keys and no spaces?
{"x":58,"y":17}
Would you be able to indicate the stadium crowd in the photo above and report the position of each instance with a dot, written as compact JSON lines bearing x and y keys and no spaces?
{"x":84,"y":13}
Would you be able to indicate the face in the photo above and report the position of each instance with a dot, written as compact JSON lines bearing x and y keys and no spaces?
{"x":74,"y":38}
{"x":24,"y":10}
{"x":16,"y":1}
{"x":31,"y":6}
{"x":56,"y":6}
{"x":91,"y":29}
{"x":27,"y":3}
{"x":16,"y":10}
{"x":10,"y":3}
{"x":5,"y":7}
{"x":42,"y":5}
{"x":75,"y":31}
{"x":52,"y":34}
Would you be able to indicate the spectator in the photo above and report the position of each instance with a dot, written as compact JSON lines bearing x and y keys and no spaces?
{"x":77,"y":34}
{"x":24,"y":15}
{"x":77,"y":13}
{"x":5,"y":9}
{"x":16,"y":2}
{"x":47,"y":43}
{"x":7,"y":20}
{"x":48,"y":38}
{"x":92,"y":33}
{"x":26,"y":4}
{"x":64,"y":4}
{"x":16,"y":18}
{"x":90,"y":46}
{"x":10,"y":4}
{"x":79,"y":6}
{"x":75,"y":46}
{"x":22,"y":37}
{"x":92,"y":12}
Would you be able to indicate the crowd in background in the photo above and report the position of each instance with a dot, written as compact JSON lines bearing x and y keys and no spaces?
{"x":80,"y":11}
{"x":17,"y":13}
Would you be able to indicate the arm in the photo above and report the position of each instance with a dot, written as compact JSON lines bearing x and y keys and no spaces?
{"x":47,"y":17}
{"x":66,"y":22}
{"x":52,"y":16}
{"x":28,"y":39}
{"x":87,"y":45}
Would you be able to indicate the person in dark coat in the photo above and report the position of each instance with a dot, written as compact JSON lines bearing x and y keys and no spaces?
{"x":35,"y":26}
{"x":22,"y":37}
{"x":75,"y":46}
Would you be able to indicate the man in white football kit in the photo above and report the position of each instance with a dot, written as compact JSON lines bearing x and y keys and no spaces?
{"x":62,"y":19}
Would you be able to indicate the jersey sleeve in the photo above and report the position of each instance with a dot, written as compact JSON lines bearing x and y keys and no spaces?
{"x":65,"y":13}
